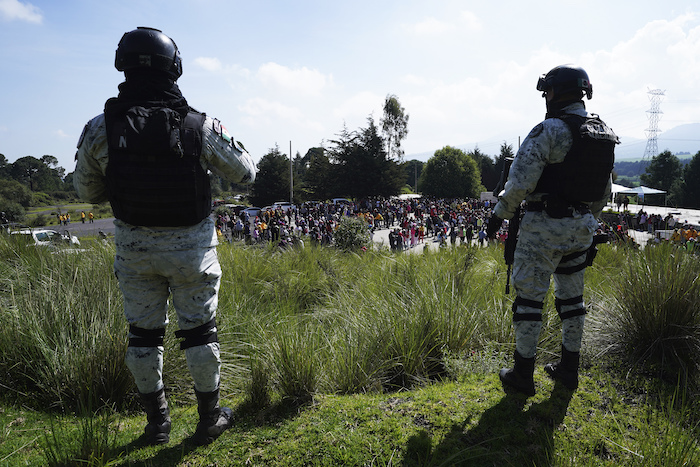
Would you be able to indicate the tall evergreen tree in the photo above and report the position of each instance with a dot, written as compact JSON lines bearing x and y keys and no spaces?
{"x":361,"y":166}
{"x":489,"y":177}
{"x":689,"y":188}
{"x":318,"y":176}
{"x":272,"y":180}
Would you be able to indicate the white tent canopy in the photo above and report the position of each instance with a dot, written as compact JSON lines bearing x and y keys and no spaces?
{"x":618,"y":188}
{"x":640,"y":190}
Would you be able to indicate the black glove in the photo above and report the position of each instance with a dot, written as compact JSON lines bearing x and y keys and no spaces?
{"x":493,"y":226}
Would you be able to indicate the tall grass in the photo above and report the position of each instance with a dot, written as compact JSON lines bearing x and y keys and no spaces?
{"x":62,"y":337}
{"x":652,"y":318}
{"x":296,"y":322}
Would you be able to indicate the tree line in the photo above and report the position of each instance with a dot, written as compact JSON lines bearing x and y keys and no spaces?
{"x":31,"y":181}
{"x":680,"y":181}
{"x":368,"y":162}
{"x":361,"y":163}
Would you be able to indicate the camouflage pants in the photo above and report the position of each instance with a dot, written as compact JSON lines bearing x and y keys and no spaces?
{"x":147,"y":280}
{"x":542,"y":243}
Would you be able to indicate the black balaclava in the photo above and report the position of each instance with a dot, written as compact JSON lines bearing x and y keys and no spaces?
{"x":149,"y":88}
{"x":554,"y":108}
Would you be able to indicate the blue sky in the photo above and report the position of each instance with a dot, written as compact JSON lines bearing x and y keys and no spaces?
{"x":277,"y":72}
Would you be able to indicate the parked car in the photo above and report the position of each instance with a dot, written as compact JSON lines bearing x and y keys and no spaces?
{"x":46,"y":237}
{"x":284,"y":205}
{"x":234,"y":209}
{"x":252,"y":211}
{"x":341,"y":201}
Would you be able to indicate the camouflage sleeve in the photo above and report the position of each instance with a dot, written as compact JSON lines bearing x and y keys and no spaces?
{"x":91,"y":162}
{"x":547,"y":143}
{"x":225,"y":156}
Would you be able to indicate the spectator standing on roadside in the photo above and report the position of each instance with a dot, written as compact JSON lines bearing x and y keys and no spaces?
{"x":149,"y":153}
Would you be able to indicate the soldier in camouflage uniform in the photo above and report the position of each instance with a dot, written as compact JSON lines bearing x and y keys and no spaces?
{"x":563,"y":173}
{"x":149,"y":154}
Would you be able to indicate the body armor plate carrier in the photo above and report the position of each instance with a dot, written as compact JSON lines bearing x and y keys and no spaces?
{"x":583,"y":175}
{"x":154,"y":174}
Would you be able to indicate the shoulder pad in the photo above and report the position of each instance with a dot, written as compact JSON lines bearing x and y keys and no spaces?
{"x":536,"y":131}
{"x":82,"y":136}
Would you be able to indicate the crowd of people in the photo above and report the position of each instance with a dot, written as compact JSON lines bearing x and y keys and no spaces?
{"x":410,"y":221}
{"x":413,"y":222}
{"x":663,"y":229}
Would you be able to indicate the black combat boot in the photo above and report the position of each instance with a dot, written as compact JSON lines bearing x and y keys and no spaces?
{"x":520,"y":376}
{"x":213,"y":420}
{"x":565,"y":370}
{"x":158,"y":415}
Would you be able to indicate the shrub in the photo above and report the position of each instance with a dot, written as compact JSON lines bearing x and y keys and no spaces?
{"x":13,"y":211}
{"x":653,"y":318}
{"x":41,"y":199}
{"x":39,"y":221}
{"x":102,"y":210}
{"x":352,"y":234}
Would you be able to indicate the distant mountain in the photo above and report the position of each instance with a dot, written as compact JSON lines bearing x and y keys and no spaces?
{"x":683,"y":140}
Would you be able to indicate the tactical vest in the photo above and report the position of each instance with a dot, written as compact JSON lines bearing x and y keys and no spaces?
{"x":583,"y":175}
{"x":154,"y":175}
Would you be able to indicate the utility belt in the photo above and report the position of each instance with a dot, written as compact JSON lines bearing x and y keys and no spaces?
{"x":557,"y":209}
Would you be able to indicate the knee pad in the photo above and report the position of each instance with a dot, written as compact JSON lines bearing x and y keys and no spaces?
{"x":146,"y":337}
{"x":520,"y":301}
{"x":201,"y":335}
{"x":559,"y":304}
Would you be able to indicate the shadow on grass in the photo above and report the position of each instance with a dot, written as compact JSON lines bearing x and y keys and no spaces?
{"x":166,"y":457}
{"x":245,"y":418}
{"x":509,"y":433}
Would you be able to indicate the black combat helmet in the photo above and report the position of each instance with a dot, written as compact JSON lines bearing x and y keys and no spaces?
{"x":566,"y":80}
{"x":148,"y":48}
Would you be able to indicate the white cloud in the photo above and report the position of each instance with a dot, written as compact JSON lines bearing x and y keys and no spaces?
{"x":431,"y":26}
{"x":62,"y":134}
{"x":355,"y":110}
{"x":208,"y":63}
{"x":262,"y":113}
{"x":300,"y":80}
{"x":11,"y":10}
{"x":471,"y":21}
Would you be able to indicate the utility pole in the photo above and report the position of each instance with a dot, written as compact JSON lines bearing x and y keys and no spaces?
{"x":291,"y":175}
{"x":415,"y":176}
